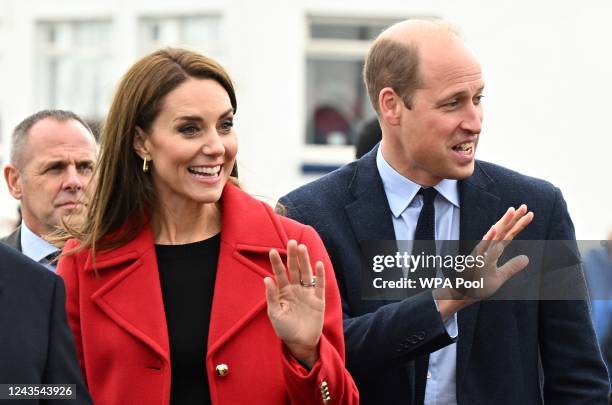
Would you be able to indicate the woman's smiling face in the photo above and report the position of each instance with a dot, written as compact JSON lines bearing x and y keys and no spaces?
{"x":191,"y":144}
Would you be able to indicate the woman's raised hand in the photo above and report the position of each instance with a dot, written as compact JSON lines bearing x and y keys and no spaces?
{"x":296,"y":302}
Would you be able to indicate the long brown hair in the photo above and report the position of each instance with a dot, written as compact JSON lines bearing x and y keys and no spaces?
{"x":124,"y":197}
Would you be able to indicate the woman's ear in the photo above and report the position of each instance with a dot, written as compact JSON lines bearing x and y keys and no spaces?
{"x":140,"y":144}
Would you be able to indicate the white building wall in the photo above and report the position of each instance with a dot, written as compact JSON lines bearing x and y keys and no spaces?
{"x":547,"y":66}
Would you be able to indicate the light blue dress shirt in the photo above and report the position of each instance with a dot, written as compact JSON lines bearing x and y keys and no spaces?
{"x":406,"y":206}
{"x":35,"y":247}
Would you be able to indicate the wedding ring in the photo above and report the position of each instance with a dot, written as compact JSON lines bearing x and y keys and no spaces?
{"x":313,"y":283}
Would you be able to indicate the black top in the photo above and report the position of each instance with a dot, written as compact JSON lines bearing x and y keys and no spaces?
{"x":187,"y":276}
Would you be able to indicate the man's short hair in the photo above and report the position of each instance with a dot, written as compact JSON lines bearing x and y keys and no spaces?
{"x":21,"y":131}
{"x":394,"y":64}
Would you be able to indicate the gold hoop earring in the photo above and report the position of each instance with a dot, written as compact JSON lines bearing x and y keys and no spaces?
{"x":145,"y":165}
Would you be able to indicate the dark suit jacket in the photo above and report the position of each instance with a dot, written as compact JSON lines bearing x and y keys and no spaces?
{"x":13,"y":239}
{"x":499,"y":342}
{"x":36,"y":345}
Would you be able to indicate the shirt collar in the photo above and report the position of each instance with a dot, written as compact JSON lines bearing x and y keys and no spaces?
{"x":401,"y":191}
{"x":33,"y":246}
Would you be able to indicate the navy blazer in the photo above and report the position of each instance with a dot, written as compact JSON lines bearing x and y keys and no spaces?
{"x":36,"y":345}
{"x":508,"y":352}
{"x":13,"y":239}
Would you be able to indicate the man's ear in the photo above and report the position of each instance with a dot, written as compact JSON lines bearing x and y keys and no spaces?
{"x":13,"y":181}
{"x":140,"y":144}
{"x":390,"y":106}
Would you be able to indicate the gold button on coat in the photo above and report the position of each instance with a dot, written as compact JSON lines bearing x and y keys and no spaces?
{"x":222,"y":370}
{"x":325,"y":398}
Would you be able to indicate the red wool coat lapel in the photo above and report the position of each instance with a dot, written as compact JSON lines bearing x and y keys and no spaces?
{"x":133,"y":298}
{"x":250,"y":230}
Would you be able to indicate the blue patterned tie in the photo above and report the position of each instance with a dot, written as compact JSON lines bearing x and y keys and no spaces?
{"x":424,"y":243}
{"x":426,"y":225}
{"x":51,"y":258}
{"x":424,"y":234}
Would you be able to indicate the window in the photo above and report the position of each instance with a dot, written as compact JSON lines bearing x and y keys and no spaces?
{"x":337,"y":104}
{"x":201,"y":32}
{"x":75,"y":67}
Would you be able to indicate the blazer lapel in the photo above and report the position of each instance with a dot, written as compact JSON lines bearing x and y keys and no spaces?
{"x":14,"y":239}
{"x":480,"y":206}
{"x":133,"y":298}
{"x":480,"y":209}
{"x":17,"y":238}
{"x":369,"y":212}
{"x":243,"y":264}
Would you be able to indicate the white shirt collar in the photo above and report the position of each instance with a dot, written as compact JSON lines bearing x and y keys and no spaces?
{"x":33,"y":246}
{"x":401,"y":191}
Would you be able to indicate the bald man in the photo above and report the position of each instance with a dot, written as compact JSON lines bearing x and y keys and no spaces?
{"x":52,"y":158}
{"x":427,"y":87}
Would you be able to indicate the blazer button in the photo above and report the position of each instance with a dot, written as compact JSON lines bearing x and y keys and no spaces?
{"x":222,"y":370}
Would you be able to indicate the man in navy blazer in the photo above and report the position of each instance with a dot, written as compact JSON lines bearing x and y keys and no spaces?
{"x":36,"y":345}
{"x":426,"y":88}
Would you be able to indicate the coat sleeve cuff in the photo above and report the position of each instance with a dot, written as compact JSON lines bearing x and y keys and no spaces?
{"x":324,"y":383}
